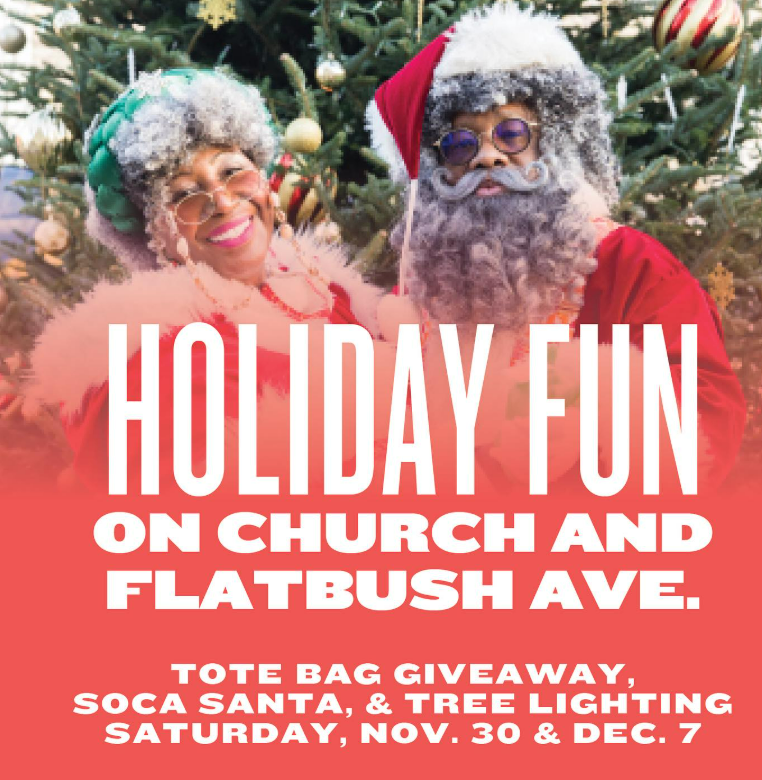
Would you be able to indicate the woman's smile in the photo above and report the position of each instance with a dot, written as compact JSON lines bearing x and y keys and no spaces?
{"x":233,"y":233}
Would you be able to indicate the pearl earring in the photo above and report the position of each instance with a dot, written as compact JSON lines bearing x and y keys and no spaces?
{"x":281,"y":221}
{"x":182,"y":248}
{"x":284,"y":229}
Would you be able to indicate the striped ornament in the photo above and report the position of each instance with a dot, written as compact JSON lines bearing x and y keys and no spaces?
{"x":692,"y":22}
{"x":297,"y":196}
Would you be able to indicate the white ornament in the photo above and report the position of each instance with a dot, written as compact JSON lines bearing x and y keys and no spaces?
{"x":330,"y":73}
{"x":736,"y":115}
{"x":131,"y":66}
{"x":621,"y":93}
{"x":51,"y":237}
{"x":12,"y":38}
{"x":41,"y":140}
{"x":670,"y":100}
{"x":66,"y":17}
{"x":149,"y":84}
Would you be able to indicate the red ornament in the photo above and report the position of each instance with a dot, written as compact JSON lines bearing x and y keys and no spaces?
{"x":692,"y":23}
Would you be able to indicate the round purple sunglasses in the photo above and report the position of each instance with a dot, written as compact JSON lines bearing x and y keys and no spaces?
{"x":460,"y":146}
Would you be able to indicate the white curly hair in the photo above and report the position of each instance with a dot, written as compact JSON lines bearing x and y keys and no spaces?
{"x":176,"y":121}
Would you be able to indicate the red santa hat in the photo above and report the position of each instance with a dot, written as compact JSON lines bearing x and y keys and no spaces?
{"x":499,"y":38}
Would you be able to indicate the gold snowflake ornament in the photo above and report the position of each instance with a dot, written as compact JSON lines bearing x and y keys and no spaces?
{"x":721,"y":286}
{"x":216,"y":12}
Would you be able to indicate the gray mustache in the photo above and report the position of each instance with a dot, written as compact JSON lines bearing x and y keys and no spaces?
{"x":516,"y":179}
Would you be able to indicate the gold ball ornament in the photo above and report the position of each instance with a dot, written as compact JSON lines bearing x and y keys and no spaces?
{"x":53,"y":260}
{"x":692,"y":24}
{"x":51,"y":237}
{"x":330,"y":73}
{"x":303,"y":136}
{"x":15,"y":269}
{"x":66,"y":17}
{"x":12,"y":38}
{"x":42,"y":140}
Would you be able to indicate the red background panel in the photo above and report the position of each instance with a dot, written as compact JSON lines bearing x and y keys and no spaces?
{"x":60,"y":640}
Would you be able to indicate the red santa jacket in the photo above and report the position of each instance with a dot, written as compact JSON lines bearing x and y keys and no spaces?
{"x":637,"y":282}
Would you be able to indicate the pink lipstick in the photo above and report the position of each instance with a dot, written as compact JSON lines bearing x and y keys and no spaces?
{"x":233,"y":233}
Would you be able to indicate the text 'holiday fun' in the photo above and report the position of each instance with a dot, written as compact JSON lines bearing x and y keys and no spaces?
{"x":406,"y":430}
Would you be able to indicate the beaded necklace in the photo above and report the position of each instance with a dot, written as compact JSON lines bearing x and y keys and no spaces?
{"x":323,"y":313}
{"x":267,"y":292}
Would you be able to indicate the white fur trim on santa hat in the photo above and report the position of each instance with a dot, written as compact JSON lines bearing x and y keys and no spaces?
{"x":504,"y":37}
{"x":383,"y":144}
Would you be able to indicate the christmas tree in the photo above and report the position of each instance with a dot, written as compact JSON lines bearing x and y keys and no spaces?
{"x":687,"y":128}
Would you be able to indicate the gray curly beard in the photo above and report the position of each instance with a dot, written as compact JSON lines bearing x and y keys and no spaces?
{"x":505,"y":259}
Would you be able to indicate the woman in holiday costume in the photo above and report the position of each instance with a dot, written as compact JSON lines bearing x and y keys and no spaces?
{"x":500,"y":132}
{"x":178,"y":190}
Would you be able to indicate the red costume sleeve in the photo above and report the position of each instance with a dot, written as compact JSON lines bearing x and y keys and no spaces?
{"x":638,"y":281}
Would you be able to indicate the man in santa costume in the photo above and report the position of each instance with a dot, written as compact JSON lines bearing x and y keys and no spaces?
{"x":500,"y":132}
